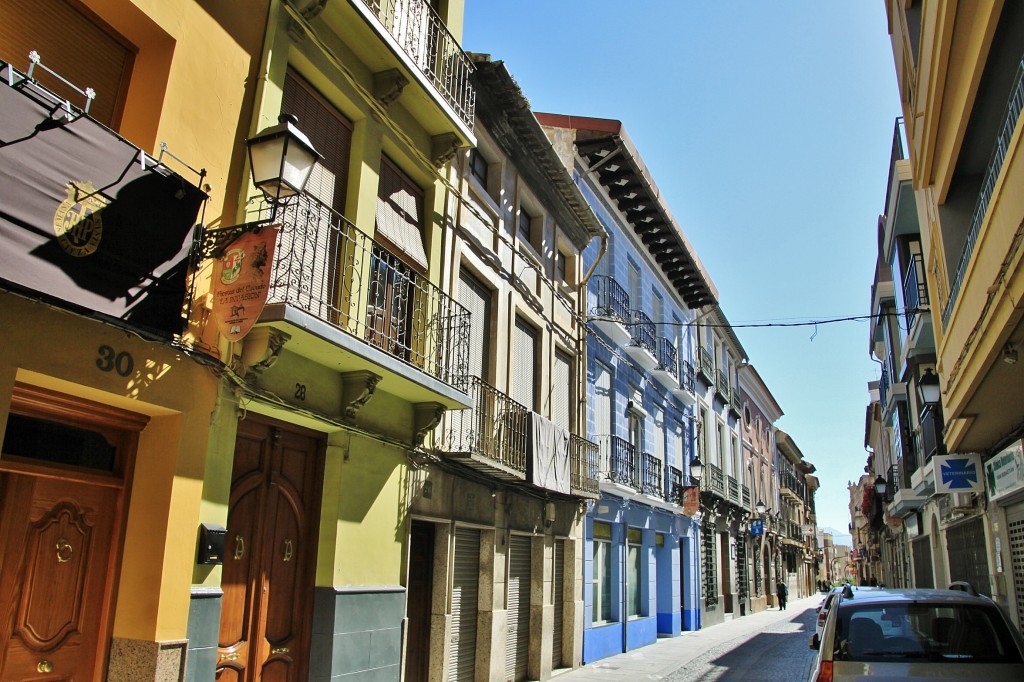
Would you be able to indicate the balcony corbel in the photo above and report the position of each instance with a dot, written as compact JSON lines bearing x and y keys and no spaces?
{"x":426,"y":417}
{"x":388,"y":86}
{"x":356,"y":390}
{"x":443,"y":148}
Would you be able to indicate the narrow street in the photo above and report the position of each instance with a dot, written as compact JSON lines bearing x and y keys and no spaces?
{"x":765,"y":646}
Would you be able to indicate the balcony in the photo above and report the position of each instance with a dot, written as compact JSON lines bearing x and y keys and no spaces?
{"x":713,"y":480}
{"x":347,"y":302}
{"x":722,"y":386}
{"x":791,"y":488}
{"x":642,"y":346}
{"x":611,"y":313}
{"x":621,"y":464}
{"x":490,"y":436}
{"x":904,"y":500}
{"x":666,"y":372}
{"x":988,"y":184}
{"x":652,"y":482}
{"x":686,"y":390}
{"x":734,"y":489}
{"x":931,"y":434}
{"x":706,"y":366}
{"x":408,"y":52}
{"x":915,"y":289}
{"x":674,"y":485}
{"x":584,"y":466}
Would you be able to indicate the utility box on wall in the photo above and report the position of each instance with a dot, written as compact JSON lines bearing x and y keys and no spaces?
{"x":211,"y":544}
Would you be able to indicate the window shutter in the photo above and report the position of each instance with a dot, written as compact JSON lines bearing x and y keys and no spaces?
{"x":331,"y":135}
{"x":477,"y":300}
{"x":400,"y":214}
{"x":524,"y":348}
{"x":75,"y":46}
{"x":561,"y":390}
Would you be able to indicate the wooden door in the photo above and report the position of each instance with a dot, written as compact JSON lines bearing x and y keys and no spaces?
{"x":268,"y":559}
{"x":421,"y":586}
{"x":62,"y":494}
{"x":56,"y":538}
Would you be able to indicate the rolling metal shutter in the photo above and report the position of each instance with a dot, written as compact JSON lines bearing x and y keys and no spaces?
{"x":561,"y":391}
{"x":558,"y":593}
{"x":524,"y":351}
{"x":73,"y":45}
{"x":602,"y":402}
{"x":1015,"y":526}
{"x":922,"y":551}
{"x":968,"y":557}
{"x":517,"y":642}
{"x":477,"y":300}
{"x":465,"y":592}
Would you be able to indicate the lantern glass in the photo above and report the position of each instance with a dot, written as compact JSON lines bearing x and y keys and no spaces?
{"x":696,"y":468}
{"x":281,"y":158}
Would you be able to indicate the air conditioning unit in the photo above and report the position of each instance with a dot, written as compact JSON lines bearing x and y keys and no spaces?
{"x":962,"y":501}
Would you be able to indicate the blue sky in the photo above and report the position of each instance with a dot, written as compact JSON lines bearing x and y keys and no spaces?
{"x":768,"y":127}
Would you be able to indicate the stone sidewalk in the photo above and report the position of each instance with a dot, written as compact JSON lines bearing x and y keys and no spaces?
{"x":661,"y":659}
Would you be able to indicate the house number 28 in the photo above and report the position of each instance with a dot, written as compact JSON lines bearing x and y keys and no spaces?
{"x":110,"y":360}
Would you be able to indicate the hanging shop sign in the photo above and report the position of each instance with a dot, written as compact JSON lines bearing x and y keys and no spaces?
{"x":756,"y":528}
{"x":241,"y":280}
{"x":1004,"y":473}
{"x":958,"y":474}
{"x":691,"y":500}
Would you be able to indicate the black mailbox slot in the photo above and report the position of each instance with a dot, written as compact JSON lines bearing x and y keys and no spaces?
{"x":211,"y":544}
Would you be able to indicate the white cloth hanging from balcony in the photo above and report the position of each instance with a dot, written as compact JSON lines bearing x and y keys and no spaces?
{"x":547,"y":446}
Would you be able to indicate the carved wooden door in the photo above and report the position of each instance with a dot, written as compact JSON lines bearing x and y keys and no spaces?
{"x":268,"y":559}
{"x":55,"y":559}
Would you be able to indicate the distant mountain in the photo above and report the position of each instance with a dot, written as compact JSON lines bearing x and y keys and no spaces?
{"x":839,"y":537}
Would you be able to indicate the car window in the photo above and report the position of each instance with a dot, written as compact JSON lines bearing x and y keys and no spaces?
{"x":961,"y":633}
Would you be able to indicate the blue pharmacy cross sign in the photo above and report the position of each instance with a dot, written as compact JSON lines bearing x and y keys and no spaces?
{"x":959,"y":474}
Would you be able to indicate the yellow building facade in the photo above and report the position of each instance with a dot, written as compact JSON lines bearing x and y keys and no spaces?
{"x":240,"y":497}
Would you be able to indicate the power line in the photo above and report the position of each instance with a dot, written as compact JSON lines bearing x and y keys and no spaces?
{"x":801,"y":323}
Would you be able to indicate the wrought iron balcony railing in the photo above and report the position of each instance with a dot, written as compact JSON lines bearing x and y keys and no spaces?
{"x":674,"y":485}
{"x":584,"y":464}
{"x":494,"y":427}
{"x":713,"y":480}
{"x":325,"y":266}
{"x":706,"y":364}
{"x":666,"y":355}
{"x":622,"y":465}
{"x":1014,"y":106}
{"x":686,"y":376}
{"x":915,"y":289}
{"x":895,"y":479}
{"x":652,"y":483}
{"x":722,"y":385}
{"x":419,"y":31}
{"x":612,"y":299}
{"x":734,"y":489}
{"x":883,"y":385}
{"x":642,"y":331}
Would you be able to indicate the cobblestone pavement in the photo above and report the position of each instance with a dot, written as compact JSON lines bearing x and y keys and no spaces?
{"x":766,"y":646}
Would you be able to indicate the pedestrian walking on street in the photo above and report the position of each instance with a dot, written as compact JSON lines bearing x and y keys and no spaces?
{"x":782,"y":591}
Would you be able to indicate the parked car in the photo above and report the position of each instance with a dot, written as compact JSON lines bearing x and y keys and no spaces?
{"x":833,"y":595}
{"x":913,"y":634}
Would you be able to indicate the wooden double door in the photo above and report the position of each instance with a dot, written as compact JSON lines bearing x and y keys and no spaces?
{"x":268,"y":573}
{"x":63,"y":475}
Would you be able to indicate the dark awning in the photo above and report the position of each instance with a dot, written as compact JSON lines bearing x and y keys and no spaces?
{"x":87,"y":219}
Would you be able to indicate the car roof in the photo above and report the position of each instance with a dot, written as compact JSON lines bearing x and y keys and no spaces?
{"x":879,"y":595}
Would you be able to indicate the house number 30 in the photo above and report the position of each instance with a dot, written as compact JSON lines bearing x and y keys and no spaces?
{"x":110,"y":360}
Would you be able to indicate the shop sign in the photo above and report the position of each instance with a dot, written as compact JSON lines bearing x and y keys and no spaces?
{"x":1004,"y":473}
{"x":241,"y":280}
{"x":691,"y":500}
{"x":756,"y":528}
{"x":958,"y":474}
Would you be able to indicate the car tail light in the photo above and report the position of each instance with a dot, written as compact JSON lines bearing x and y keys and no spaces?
{"x":821,"y":618}
{"x":825,"y":674}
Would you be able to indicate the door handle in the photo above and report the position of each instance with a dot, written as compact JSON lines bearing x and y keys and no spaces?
{"x":288,"y":550}
{"x":239,"y":547}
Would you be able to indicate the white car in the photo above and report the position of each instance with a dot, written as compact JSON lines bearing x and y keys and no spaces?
{"x":834,"y":595}
{"x":916,"y":635}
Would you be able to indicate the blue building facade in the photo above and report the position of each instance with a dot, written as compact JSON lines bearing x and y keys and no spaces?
{"x":645,"y":288}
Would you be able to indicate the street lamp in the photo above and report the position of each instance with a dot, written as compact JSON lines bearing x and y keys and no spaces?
{"x":759,"y":507}
{"x":281,"y":158}
{"x":881,"y":486}
{"x":696,"y":468}
{"x":928,"y":388}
